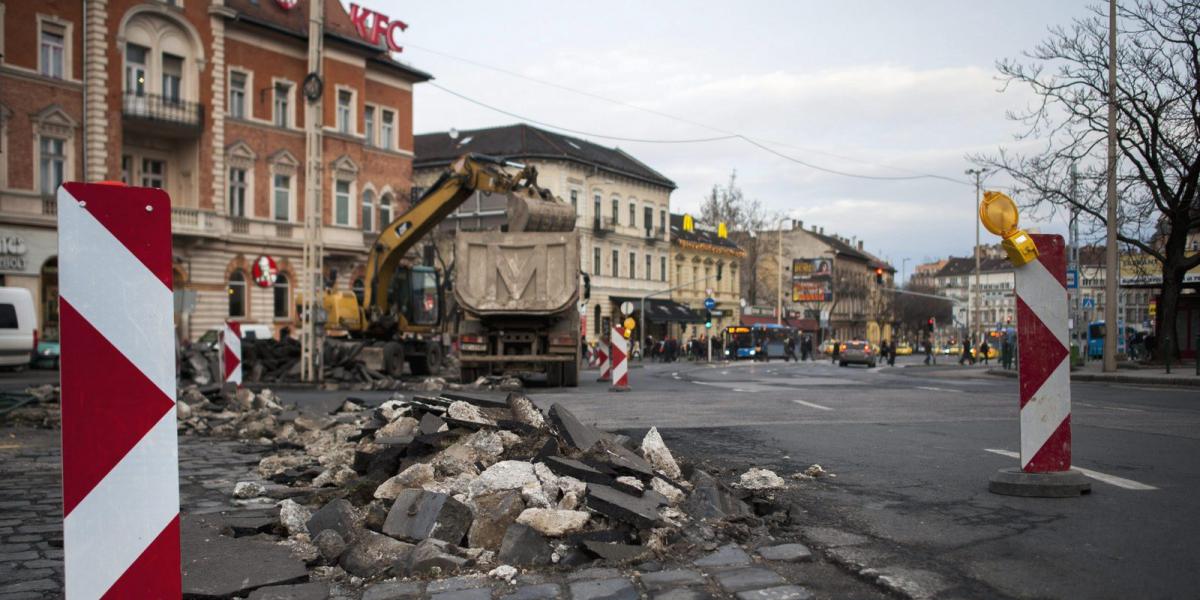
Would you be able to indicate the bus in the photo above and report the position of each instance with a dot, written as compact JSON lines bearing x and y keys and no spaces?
{"x":1095,"y":339}
{"x":771,"y":339}
{"x":738,"y":342}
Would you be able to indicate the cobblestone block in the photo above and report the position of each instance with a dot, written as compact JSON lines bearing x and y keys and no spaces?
{"x":545,"y":591}
{"x":403,"y":590}
{"x":464,"y":582}
{"x":786,"y":552}
{"x":726,"y":556}
{"x":604,"y":589}
{"x":671,"y":578}
{"x":475,"y":594}
{"x":740,"y":580}
{"x":784,"y":592}
{"x":594,"y":574}
{"x":683,"y":594}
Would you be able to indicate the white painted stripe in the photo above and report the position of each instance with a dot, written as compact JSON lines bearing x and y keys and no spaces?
{"x":1120,"y":482}
{"x":116,"y":293}
{"x":121,"y":516}
{"x":1045,"y":411}
{"x":935,"y":389}
{"x":1045,"y":296}
{"x":812,"y":405}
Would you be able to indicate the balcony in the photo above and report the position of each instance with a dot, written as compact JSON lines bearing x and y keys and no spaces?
{"x":162,"y":116}
{"x":655,"y":235}
{"x":193,"y":221}
{"x":603,"y":225}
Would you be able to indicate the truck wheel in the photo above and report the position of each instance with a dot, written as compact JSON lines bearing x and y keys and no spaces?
{"x":433,"y":355}
{"x":419,"y":365}
{"x":466,"y":376}
{"x":570,"y":376}
{"x":393,"y":359}
{"x":554,"y":375}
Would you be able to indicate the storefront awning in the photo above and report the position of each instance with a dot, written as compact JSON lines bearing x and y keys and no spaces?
{"x":797,"y":324}
{"x":662,"y":311}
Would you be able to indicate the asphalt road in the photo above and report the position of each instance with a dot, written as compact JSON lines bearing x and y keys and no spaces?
{"x":913,"y":448}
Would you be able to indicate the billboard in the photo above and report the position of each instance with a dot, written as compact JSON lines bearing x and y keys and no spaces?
{"x":812,"y":280}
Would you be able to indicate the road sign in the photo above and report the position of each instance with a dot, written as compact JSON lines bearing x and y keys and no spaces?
{"x":1072,"y":279}
{"x":627,"y":308}
{"x":1089,"y":303}
{"x":717,"y":313}
{"x":709,"y":303}
{"x":708,"y":292}
{"x":742,"y":302}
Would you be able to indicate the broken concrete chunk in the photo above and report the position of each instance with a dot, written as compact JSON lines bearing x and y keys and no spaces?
{"x":393,"y":409}
{"x":469,"y":413}
{"x":578,"y":470}
{"x":553,"y":522}
{"x":337,"y":515}
{"x":523,"y":546}
{"x":418,"y":515}
{"x":330,"y":544}
{"x":294,"y":517}
{"x":215,"y":566}
{"x":506,"y":573}
{"x":248,"y":489}
{"x":317,"y":590}
{"x":413,"y":477}
{"x":373,"y":554}
{"x":524,"y":411}
{"x":400,"y":428}
{"x":432,"y":557}
{"x":430,"y":424}
{"x":657,"y":454}
{"x":672,"y":494}
{"x":615,"y":552}
{"x":456,"y":460}
{"x":336,"y":476}
{"x":761,"y":479}
{"x":494,"y":513}
{"x":618,"y":505}
{"x":572,"y":430}
{"x":504,"y":475}
{"x":710,"y":499}
{"x":488,"y":444}
{"x":630,"y":485}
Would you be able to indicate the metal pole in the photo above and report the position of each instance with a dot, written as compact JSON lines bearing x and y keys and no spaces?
{"x":779,"y":266}
{"x":1110,"y":246}
{"x":313,"y":252}
{"x":1073,"y":232}
{"x":973,"y":312}
{"x":642,"y":335}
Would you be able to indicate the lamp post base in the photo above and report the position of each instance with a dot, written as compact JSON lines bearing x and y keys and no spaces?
{"x":1060,"y":484}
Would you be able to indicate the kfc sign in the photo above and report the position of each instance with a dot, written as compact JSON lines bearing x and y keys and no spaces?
{"x":371,"y":26}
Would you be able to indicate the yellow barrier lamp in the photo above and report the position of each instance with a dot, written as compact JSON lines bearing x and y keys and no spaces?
{"x":998,"y":213}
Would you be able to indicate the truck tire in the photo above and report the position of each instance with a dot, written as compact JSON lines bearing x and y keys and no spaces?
{"x":570,"y":376}
{"x":429,"y":362}
{"x":554,"y":374}
{"x":393,"y":359}
{"x":467,"y":376}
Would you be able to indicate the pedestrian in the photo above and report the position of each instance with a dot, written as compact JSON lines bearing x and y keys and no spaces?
{"x":891,"y":357}
{"x":835,"y":352}
{"x":928,"y":344}
{"x":790,"y":350}
{"x":966,"y":353}
{"x":585,"y":351}
{"x":983,"y":351}
{"x":1005,"y":353}
{"x":805,"y":347}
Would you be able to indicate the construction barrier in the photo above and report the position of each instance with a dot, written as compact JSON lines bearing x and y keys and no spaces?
{"x":231,"y":352}
{"x":620,"y":360}
{"x":119,"y":447}
{"x":602,"y":349}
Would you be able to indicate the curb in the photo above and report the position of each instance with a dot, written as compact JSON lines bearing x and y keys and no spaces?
{"x":1128,"y":379}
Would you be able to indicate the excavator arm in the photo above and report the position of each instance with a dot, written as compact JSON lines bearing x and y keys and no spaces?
{"x":529,"y":207}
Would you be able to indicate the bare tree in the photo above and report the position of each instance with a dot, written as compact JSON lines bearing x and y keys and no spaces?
{"x":1158,"y":98}
{"x":729,"y":205}
{"x":913,"y":312}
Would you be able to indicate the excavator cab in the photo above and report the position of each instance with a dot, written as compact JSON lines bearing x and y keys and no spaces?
{"x":416,"y":296}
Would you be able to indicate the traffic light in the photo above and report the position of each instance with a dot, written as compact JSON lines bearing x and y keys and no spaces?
{"x":878,"y":275}
{"x":707,"y":319}
{"x":929,"y":326}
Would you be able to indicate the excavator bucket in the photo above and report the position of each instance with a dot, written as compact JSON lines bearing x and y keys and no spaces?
{"x":530,"y":212}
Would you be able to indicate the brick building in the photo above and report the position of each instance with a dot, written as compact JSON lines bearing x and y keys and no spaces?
{"x":206,"y":100}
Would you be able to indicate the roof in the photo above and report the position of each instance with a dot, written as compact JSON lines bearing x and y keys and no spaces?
{"x":965,"y":265}
{"x":338,"y":26}
{"x":698,"y":235}
{"x":522,"y":141}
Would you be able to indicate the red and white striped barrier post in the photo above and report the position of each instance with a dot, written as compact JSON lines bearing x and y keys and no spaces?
{"x":231,"y":352}
{"x":119,"y":447}
{"x":620,"y":360}
{"x":602,"y":349}
{"x":1044,"y":371}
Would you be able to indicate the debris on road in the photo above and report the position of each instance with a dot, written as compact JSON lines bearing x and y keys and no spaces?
{"x":812,"y":472}
{"x":761,"y":479}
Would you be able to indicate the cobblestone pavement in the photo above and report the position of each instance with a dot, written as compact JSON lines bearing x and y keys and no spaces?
{"x":31,"y":536}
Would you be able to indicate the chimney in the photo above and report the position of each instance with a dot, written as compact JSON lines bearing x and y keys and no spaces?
{"x":797,"y":224}
{"x":814,"y":228}
{"x":860,"y":245}
{"x":822,"y":231}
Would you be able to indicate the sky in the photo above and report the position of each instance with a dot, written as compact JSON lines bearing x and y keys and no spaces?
{"x":867,"y":87}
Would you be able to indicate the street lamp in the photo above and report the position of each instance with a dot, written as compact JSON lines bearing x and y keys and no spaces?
{"x":903,"y":270}
{"x":779,"y":264}
{"x":973,"y":315}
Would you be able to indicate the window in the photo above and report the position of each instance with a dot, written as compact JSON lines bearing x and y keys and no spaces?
{"x":237,"y":192}
{"x":53,"y":164}
{"x":368,"y":210}
{"x":154,"y":173}
{"x":616,"y":211}
{"x":632,"y":215}
{"x":237,"y":95}
{"x":616,"y":264}
{"x":575,"y":200}
{"x":596,"y":208}
{"x":647,"y":272}
{"x":8,"y":317}
{"x":127,"y":169}
{"x":648,"y":220}
{"x":172,"y":75}
{"x":385,"y":210}
{"x":369,"y":124}
{"x":662,"y":219}
{"x":344,"y":98}
{"x":341,"y":202}
{"x":662,"y":268}
{"x":596,"y":321}
{"x":53,"y":45}
{"x":135,"y":69}
{"x":633,"y":265}
{"x":282,"y":296}
{"x":387,"y":129}
{"x":283,"y":197}
{"x":237,"y":294}
{"x":282,"y":104}
{"x":596,"y":261}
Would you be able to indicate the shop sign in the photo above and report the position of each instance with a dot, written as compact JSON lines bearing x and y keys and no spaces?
{"x":287,"y":4}
{"x":264,"y":271}
{"x":12,"y":253}
{"x":371,"y":26}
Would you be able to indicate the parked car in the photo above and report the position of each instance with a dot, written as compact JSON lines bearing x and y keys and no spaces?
{"x":827,"y":347}
{"x":47,"y":355}
{"x":903,"y":349}
{"x":18,"y":327}
{"x":857,"y":352}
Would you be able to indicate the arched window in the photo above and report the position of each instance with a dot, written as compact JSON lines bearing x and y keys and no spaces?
{"x":599,"y":330}
{"x":385,"y":210}
{"x":368,"y":210}
{"x":237,"y":294}
{"x":358,"y":290}
{"x":283,"y":296}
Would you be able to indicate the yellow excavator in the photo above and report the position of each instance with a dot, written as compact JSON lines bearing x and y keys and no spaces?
{"x":403,"y":312}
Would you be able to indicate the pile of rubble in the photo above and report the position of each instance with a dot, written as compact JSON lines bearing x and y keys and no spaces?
{"x":436,"y":484}
{"x":37,"y":406}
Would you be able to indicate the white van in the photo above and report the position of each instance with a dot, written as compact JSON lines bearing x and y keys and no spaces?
{"x":18,"y":327}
